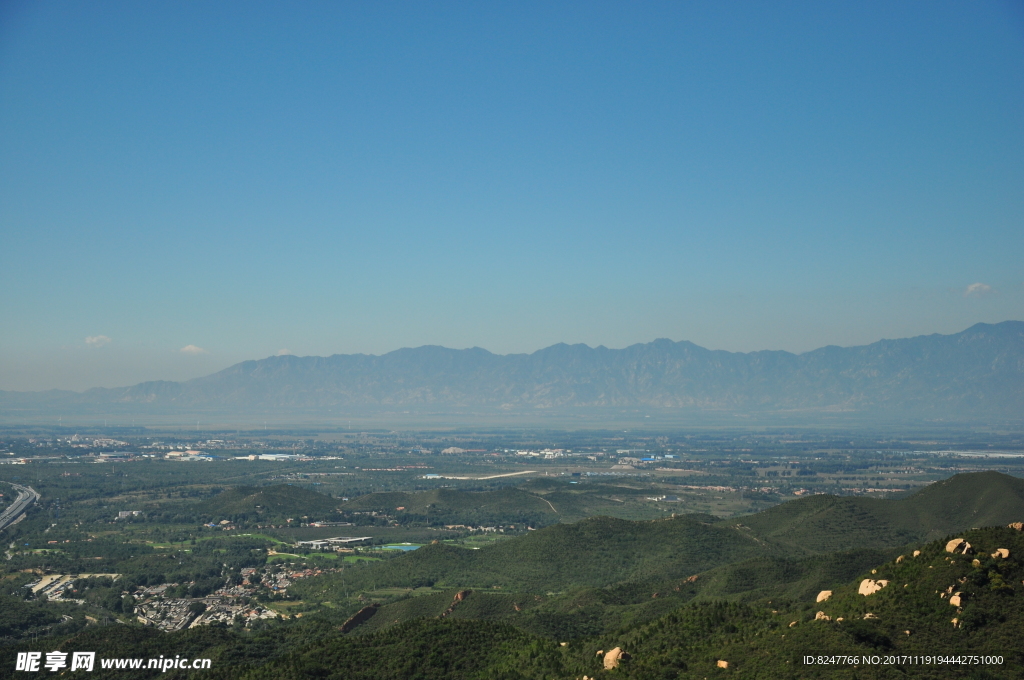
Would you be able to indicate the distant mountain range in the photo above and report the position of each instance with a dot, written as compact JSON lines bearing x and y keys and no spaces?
{"x":974,"y":375}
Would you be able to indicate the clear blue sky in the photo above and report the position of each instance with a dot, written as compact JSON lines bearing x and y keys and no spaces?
{"x":241,"y":178}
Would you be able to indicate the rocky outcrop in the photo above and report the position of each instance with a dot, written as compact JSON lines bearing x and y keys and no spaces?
{"x":360,"y":617}
{"x":459,"y":597}
{"x":870,"y":586}
{"x":1001,"y":553}
{"x":958,"y":546}
{"x":614,"y":657}
{"x":823,"y":596}
{"x":722,"y":664}
{"x":822,"y":616}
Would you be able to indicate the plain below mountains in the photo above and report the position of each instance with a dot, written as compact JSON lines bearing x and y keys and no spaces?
{"x":974,"y":375}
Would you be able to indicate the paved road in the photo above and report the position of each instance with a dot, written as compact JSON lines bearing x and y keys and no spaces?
{"x":26,"y":497}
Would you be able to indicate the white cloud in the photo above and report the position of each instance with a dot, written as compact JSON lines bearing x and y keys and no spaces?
{"x":97,"y":340}
{"x":284,"y":352}
{"x":977,"y":290}
{"x":192,"y":349}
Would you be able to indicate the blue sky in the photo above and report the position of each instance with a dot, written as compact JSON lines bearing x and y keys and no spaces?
{"x":238,"y":179}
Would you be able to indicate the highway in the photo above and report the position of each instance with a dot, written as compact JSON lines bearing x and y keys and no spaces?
{"x":26,"y":497}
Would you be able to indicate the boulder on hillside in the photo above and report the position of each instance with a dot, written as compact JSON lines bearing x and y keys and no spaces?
{"x":1019,"y":526}
{"x":824,"y":595}
{"x":722,"y":664}
{"x":870,"y":586}
{"x":822,"y":616}
{"x":917,"y":553}
{"x":1001,"y":553}
{"x":614,"y":657}
{"x":955,"y":600}
{"x":953,"y":545}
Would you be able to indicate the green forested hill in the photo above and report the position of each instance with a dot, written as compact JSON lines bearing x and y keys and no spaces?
{"x":909,"y":616}
{"x":769,"y":577}
{"x":912,"y":615}
{"x":587,"y":611}
{"x":828,"y":523}
{"x":602,"y":573}
{"x":779,"y":545}
{"x":280,"y":500}
{"x":507,"y":505}
{"x":593,"y":552}
{"x":975,"y":499}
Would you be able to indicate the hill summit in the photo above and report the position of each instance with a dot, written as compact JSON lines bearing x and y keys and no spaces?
{"x":828,"y":523}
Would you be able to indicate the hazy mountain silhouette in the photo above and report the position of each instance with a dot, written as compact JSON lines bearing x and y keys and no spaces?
{"x":977,"y":374}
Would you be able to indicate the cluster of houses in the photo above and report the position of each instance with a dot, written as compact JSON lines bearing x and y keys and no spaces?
{"x":334,"y":543}
{"x":231,"y":605}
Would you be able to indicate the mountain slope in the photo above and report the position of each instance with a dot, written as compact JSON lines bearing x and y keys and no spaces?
{"x":911,"y":617}
{"x":978,"y":373}
{"x":825,"y":523}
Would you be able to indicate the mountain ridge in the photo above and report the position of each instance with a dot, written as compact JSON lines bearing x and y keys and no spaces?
{"x":975,"y":374}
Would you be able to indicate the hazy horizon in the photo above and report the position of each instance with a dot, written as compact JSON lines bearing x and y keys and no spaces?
{"x":284,"y":352}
